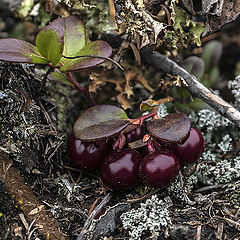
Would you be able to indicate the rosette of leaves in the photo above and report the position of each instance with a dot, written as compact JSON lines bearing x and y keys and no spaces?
{"x":62,"y":37}
{"x":104,"y":121}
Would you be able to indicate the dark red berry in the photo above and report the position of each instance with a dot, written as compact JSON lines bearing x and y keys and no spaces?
{"x":119,"y":170}
{"x":191,"y":149}
{"x":135,"y":134}
{"x":159,"y":168}
{"x":86,"y":155}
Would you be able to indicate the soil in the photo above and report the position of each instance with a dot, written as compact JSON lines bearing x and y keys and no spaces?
{"x":43,"y":197}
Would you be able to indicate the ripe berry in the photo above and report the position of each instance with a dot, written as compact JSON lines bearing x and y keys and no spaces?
{"x":191,"y":149}
{"x":119,"y":170}
{"x":86,"y":155}
{"x":159,"y":168}
{"x":135,"y":134}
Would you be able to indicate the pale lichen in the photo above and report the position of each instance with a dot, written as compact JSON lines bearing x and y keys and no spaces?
{"x":181,"y":192}
{"x":152,"y":216}
{"x":162,"y":111}
{"x":222,"y":171}
{"x":209,"y":120}
{"x":226,"y":144}
{"x":234,"y":86}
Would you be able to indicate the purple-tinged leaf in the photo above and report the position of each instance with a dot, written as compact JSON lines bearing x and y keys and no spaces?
{"x":50,"y":41}
{"x":19,"y":51}
{"x":100,"y":122}
{"x":172,"y":128}
{"x":99,"y":48}
{"x":59,"y":77}
{"x":74,"y":35}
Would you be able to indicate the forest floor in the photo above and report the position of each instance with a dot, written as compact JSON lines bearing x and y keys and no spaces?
{"x":42,"y":196}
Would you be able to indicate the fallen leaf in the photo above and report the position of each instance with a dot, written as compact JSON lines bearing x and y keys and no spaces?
{"x":129,"y":75}
{"x":124,"y":101}
{"x":36,"y":210}
{"x":136,"y":53}
{"x":141,"y":79}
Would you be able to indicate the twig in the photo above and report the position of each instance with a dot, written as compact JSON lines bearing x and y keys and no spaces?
{"x":77,"y":170}
{"x":199,"y":229}
{"x":235,"y":224}
{"x":67,"y":209}
{"x":219,"y":232}
{"x":209,"y":188}
{"x":165,"y":64}
{"x":94,"y":213}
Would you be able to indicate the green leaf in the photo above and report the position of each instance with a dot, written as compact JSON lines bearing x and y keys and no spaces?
{"x":195,"y":65}
{"x":50,"y":42}
{"x":59,"y":77}
{"x":172,"y":128}
{"x":214,"y":74}
{"x":211,"y":54}
{"x":19,"y":51}
{"x":74,"y":35}
{"x":99,"y":48}
{"x":100,"y":122}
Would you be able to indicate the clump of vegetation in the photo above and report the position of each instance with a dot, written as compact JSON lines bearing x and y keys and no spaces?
{"x":171,"y":143}
{"x":62,"y":46}
{"x":174,"y":145}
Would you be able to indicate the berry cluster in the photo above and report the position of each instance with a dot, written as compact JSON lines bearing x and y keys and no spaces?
{"x":123,"y":169}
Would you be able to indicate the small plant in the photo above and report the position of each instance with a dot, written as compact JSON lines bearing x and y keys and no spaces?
{"x":163,"y":140}
{"x":62,"y":46}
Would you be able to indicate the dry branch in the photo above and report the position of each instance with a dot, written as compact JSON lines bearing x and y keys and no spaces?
{"x":94,"y":213}
{"x":166,"y":65}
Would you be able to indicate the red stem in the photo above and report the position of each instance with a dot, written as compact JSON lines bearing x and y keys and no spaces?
{"x":85,"y":91}
{"x":140,"y":120}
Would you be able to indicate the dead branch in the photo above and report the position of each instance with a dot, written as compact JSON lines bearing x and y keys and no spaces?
{"x":94,"y":213}
{"x":167,"y":65}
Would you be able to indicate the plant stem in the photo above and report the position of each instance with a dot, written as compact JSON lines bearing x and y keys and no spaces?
{"x":139,"y":121}
{"x":85,"y":91}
